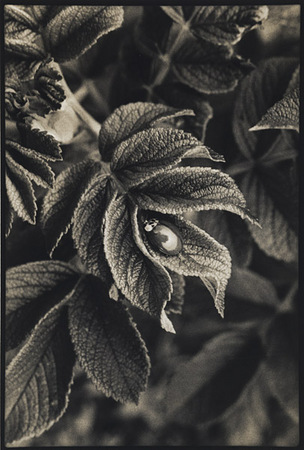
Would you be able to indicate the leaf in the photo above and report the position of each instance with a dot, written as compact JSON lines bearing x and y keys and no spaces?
{"x":8,"y":214}
{"x":30,"y":163}
{"x":145,"y":283}
{"x":152,"y":151}
{"x":218,"y":24}
{"x":252,"y":287}
{"x":180,"y":96}
{"x":184,"y":189}
{"x":208,"y":68}
{"x":282,"y":115}
{"x":20,"y":193}
{"x":282,"y":374}
{"x":229,"y":230}
{"x":47,"y":82}
{"x":258,"y":92}
{"x":21,"y":34}
{"x":175,"y":305}
{"x":130,"y":119}
{"x":200,"y":256}
{"x":38,"y":378}
{"x":31,"y":290}
{"x":43,"y":143}
{"x":199,"y":372}
{"x":60,"y":202}
{"x":72,"y":30}
{"x":275,"y":237}
{"x":88,"y":226}
{"x":107,"y":343}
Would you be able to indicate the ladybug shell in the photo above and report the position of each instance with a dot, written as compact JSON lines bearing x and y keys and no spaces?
{"x":166,"y":238}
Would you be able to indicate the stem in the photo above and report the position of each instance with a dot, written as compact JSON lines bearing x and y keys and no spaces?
{"x":80,"y":111}
{"x":238,"y":168}
{"x":166,"y":60}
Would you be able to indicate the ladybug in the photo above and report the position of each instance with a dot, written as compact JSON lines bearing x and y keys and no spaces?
{"x":164,"y":236}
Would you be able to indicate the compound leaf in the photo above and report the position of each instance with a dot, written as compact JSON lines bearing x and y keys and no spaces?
{"x":107,"y":343}
{"x":218,"y":24}
{"x":144,"y":283}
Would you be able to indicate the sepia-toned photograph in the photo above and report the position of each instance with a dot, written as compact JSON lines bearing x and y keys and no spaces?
{"x":150,"y":218}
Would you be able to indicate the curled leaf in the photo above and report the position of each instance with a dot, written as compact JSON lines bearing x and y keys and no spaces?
{"x":145,"y":283}
{"x":200,"y":256}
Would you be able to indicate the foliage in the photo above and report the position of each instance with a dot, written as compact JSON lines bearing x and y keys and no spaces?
{"x":122,"y":122}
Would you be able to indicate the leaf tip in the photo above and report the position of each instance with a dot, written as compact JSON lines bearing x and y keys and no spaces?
{"x":166,"y":323}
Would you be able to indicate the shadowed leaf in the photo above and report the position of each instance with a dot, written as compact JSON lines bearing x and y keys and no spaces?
{"x":60,"y":202}
{"x":107,"y":343}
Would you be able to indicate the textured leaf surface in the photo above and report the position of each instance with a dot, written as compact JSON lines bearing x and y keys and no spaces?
{"x":43,"y":143}
{"x":88,"y":226}
{"x":258,"y":92}
{"x":201,"y":256}
{"x":275,"y":237}
{"x":218,"y":24}
{"x":60,"y":202}
{"x":196,"y":374}
{"x":8,"y":215}
{"x":229,"y":230}
{"x":208,"y":68}
{"x":191,"y":188}
{"x":20,"y":193}
{"x":144,"y":283}
{"x":65,"y":32}
{"x":107,"y":343}
{"x":128,"y":120}
{"x":72,"y":30}
{"x":31,"y":290}
{"x":175,"y":305}
{"x":151,"y":151}
{"x":21,"y":34}
{"x":30,"y":163}
{"x":285,"y":114}
{"x":38,"y":379}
